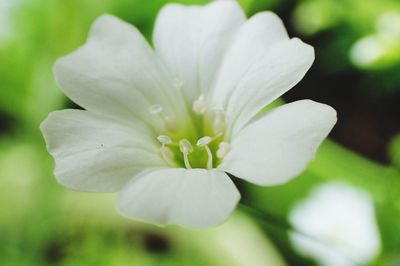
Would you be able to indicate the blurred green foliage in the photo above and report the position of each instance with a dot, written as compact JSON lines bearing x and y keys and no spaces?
{"x":360,"y":34}
{"x":43,"y":224}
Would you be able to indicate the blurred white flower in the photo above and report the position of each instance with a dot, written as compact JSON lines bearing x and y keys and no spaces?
{"x":165,"y":126}
{"x":367,"y":50}
{"x":388,"y":24}
{"x":381,"y":48}
{"x":340,"y":222}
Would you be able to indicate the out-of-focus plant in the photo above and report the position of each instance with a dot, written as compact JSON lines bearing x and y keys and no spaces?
{"x":357,"y":34}
{"x":380,"y":49}
{"x":42,"y":224}
{"x":395,"y":151}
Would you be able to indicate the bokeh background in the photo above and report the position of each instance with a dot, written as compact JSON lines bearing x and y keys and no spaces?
{"x":357,"y":71}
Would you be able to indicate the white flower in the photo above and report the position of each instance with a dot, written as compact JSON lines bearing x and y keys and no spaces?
{"x":341,"y":222}
{"x":164,"y":126}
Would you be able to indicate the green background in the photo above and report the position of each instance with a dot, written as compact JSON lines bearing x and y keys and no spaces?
{"x":41,"y":223}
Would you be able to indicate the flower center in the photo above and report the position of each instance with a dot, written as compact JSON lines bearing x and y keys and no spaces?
{"x":196,"y":143}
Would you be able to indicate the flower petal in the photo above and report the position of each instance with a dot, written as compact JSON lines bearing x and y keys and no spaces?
{"x":262,"y":64}
{"x":96,"y":153}
{"x":340,"y":223}
{"x":195,"y":198}
{"x":117,"y":73}
{"x":278,"y":146}
{"x":192,"y":40}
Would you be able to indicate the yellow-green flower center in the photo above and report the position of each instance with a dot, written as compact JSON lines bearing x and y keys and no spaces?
{"x":199,"y":143}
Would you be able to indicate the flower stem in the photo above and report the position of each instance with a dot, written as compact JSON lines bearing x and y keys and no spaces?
{"x":268,"y":219}
{"x":264,"y":217}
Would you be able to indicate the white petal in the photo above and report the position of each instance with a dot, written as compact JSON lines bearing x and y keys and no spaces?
{"x":192,"y":40}
{"x":195,"y":198}
{"x":278,"y":146}
{"x":341,"y":221}
{"x":117,"y":73}
{"x":95,"y":153}
{"x":262,"y":64}
{"x":319,"y":250}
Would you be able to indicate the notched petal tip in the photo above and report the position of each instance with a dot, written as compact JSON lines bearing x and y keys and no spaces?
{"x":278,"y":147}
{"x":308,"y":49}
{"x":271,"y":19}
{"x":331,"y":114}
{"x":216,"y":3}
{"x":325,"y":110}
{"x":98,"y":24}
{"x":106,"y":17}
{"x":223,"y":5}
{"x":46,"y":123}
{"x":43,"y":124}
{"x":58,"y":67}
{"x":105,"y":20}
{"x":50,"y":123}
{"x":108,"y":27}
{"x":226,"y":4}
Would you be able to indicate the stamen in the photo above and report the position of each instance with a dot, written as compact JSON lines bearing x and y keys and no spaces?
{"x":199,"y":106}
{"x":202,"y":142}
{"x":155,"y":109}
{"x":186,"y":148}
{"x":166,"y":152}
{"x":169,"y":122}
{"x":164,"y":139}
{"x":224,"y":148}
{"x":167,"y":155}
{"x":219,"y":122}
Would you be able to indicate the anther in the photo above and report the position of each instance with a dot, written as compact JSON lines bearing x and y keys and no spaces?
{"x":167,"y":155}
{"x":199,"y":105}
{"x":203,"y":142}
{"x":169,"y":123}
{"x":186,"y":148}
{"x":166,"y":152}
{"x":224,"y":148}
{"x":155,"y":109}
{"x":164,"y":139}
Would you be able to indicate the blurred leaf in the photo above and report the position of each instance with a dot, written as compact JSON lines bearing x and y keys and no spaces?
{"x":394,"y":151}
